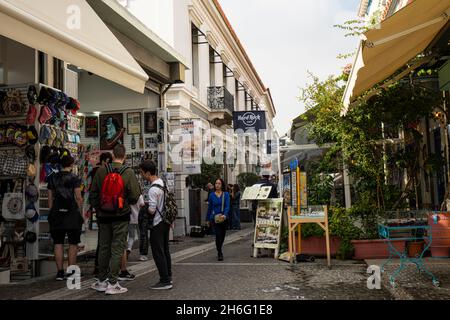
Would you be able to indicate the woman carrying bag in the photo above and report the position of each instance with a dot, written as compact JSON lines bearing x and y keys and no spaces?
{"x":218,"y":214}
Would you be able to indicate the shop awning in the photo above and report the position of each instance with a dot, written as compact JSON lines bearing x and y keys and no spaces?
{"x":71,"y":31}
{"x":399,"y":39}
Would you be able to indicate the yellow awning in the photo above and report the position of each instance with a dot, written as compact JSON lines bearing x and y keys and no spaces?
{"x":71,"y":31}
{"x":399,"y":39}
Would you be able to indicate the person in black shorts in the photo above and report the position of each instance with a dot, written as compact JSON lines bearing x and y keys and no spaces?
{"x":65,"y":217}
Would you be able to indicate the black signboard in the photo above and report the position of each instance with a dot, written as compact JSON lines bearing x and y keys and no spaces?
{"x":249,"y":120}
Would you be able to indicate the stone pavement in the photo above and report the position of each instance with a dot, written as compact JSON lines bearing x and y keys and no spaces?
{"x":412,"y":285}
{"x":199,"y":276}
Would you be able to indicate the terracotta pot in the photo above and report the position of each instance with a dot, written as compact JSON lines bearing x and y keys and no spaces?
{"x":316,"y":246}
{"x":440,"y":231}
{"x":375,"y":249}
{"x":415,"y":248}
{"x":440,"y":252}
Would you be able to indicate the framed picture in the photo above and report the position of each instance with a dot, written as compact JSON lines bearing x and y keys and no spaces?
{"x":150,"y":122}
{"x":91,"y":127}
{"x":73,"y":123}
{"x":133,"y":123}
{"x":150,"y":143}
{"x":111,"y":130}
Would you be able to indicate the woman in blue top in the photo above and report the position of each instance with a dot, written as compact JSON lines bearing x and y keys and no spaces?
{"x":218,"y":213}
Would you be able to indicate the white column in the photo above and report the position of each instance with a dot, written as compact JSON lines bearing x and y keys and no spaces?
{"x":218,"y":81}
{"x":203,"y":68}
{"x":231,"y":87}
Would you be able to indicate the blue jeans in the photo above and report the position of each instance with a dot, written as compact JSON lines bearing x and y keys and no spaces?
{"x":236,"y":218}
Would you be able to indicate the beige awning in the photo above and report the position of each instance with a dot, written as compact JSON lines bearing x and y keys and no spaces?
{"x":71,"y":31}
{"x":399,"y":39}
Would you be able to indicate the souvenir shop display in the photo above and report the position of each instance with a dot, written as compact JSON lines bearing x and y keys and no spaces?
{"x":36,"y":123}
{"x":111,"y":130}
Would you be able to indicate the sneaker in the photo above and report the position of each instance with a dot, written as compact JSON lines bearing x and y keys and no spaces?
{"x":115,"y":289}
{"x":60,"y":276}
{"x":143,"y":258}
{"x":126,"y":276}
{"x":100,"y":286}
{"x":162,"y":286}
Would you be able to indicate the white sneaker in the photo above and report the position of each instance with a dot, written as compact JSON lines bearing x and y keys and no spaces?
{"x":100,"y":286}
{"x":143,"y":258}
{"x":115,"y":289}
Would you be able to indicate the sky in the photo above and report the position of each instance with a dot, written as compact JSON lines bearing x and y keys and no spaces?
{"x":287,"y":38}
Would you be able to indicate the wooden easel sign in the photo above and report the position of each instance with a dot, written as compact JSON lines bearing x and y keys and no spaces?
{"x":268,"y":226}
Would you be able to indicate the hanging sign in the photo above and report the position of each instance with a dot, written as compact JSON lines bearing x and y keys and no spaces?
{"x":249,"y":120}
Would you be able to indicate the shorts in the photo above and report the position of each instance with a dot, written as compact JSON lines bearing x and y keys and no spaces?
{"x":58,"y":236}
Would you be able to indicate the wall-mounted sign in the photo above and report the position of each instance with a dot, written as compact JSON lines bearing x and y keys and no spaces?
{"x":249,"y":120}
{"x":91,"y":129}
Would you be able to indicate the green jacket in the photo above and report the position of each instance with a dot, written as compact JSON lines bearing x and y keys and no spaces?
{"x":132,"y":190}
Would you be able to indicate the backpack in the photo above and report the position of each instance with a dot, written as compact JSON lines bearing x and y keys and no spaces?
{"x":170,"y":205}
{"x":113,"y":190}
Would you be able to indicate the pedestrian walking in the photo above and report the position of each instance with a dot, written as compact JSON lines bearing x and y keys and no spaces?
{"x":65,"y":216}
{"x":235,"y":208}
{"x":218,"y":214}
{"x":113,"y":190}
{"x":105,"y":159}
{"x":159,"y":232}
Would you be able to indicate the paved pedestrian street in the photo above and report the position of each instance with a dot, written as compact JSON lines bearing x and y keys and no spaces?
{"x":199,"y":276}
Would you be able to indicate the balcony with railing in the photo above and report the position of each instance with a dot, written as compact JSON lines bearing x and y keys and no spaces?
{"x":221,"y":103}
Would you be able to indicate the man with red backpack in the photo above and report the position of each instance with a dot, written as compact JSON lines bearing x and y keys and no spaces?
{"x":113,"y":190}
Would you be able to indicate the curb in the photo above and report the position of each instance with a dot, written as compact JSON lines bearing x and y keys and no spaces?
{"x":140,"y":269}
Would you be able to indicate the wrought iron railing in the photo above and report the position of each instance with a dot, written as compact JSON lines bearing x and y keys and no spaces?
{"x":220,"y":98}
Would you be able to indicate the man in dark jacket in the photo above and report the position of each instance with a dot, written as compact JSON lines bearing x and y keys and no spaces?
{"x":113,"y":227}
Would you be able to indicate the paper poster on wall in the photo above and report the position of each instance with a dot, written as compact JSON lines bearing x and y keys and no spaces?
{"x":111,"y":130}
{"x":268,"y":223}
{"x":73,"y":123}
{"x":134,"y":123}
{"x":91,"y":127}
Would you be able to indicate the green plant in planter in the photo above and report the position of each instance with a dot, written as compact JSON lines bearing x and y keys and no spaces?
{"x":342,"y":225}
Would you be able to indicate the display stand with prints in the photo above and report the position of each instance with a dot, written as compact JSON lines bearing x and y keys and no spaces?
{"x":269,"y":215}
{"x":300,"y":213}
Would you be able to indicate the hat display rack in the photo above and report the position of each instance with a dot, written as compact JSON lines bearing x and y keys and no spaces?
{"x":33,"y":118}
{"x":18,"y":138}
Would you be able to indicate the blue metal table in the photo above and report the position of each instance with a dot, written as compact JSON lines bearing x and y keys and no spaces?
{"x":407,"y":233}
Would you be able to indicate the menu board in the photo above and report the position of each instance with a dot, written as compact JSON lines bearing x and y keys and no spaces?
{"x":268,"y":223}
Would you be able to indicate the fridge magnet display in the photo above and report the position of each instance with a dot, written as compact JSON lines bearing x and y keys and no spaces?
{"x":150,"y":143}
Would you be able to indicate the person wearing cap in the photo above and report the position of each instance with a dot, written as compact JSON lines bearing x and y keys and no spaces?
{"x":65,"y":217}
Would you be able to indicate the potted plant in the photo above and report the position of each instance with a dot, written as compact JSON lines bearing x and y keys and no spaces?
{"x":415,"y":247}
{"x":369,"y":245}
